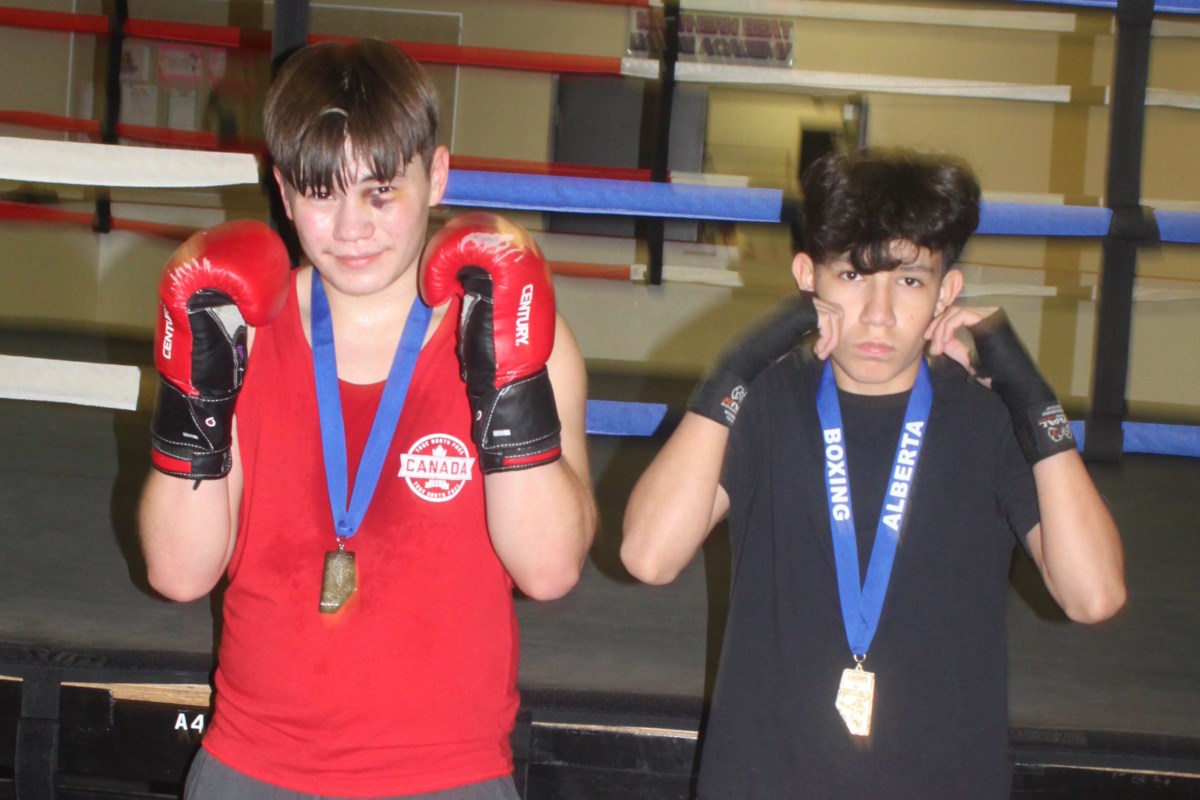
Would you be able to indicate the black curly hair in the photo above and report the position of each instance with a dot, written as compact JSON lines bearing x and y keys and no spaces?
{"x":858,"y":205}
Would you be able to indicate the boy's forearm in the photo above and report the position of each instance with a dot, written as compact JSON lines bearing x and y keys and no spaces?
{"x":676,"y":502}
{"x":541,"y":522}
{"x":1078,"y":546}
{"x":186,"y":532}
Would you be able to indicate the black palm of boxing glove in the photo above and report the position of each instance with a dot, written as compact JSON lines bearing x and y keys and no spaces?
{"x":720,"y":394}
{"x":1041,"y":426}
{"x":215,"y":282}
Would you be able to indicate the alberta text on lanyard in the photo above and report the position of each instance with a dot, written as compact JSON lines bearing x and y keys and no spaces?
{"x":862,"y":606}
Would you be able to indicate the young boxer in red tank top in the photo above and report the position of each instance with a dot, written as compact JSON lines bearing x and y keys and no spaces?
{"x":395,"y":444}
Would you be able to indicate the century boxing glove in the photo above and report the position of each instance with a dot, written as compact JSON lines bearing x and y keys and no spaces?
{"x":1040,"y":423}
{"x":720,"y":394}
{"x":505,"y":335}
{"x":216,"y":282}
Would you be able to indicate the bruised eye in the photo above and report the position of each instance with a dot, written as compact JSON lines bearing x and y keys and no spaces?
{"x":380,"y":195}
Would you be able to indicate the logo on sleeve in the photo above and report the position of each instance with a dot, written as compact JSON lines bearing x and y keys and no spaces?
{"x":436,"y":467}
{"x":1054,"y":424}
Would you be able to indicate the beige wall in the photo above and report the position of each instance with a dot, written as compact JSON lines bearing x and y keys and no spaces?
{"x":73,"y":278}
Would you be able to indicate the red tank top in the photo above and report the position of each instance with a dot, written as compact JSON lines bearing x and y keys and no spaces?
{"x":411,"y":687}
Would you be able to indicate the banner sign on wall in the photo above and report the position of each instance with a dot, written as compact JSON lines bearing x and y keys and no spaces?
{"x":715,"y":38}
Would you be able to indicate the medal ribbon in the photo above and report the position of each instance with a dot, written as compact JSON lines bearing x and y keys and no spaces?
{"x":347,"y":518}
{"x":861,"y":608}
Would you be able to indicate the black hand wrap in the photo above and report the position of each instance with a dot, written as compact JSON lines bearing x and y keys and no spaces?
{"x":1041,"y":426}
{"x":197,"y":430}
{"x":515,"y":426}
{"x":720,"y":394}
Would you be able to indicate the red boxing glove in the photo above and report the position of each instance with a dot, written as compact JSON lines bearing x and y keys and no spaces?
{"x":216,"y":282}
{"x":505,"y":335}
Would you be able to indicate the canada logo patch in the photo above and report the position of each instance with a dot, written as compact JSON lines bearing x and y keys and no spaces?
{"x":436,"y":467}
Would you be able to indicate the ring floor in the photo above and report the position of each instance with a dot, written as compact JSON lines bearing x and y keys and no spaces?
{"x":614,"y":676}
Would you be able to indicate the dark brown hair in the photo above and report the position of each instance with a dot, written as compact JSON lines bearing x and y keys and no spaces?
{"x":857,"y":205}
{"x":366,"y":92}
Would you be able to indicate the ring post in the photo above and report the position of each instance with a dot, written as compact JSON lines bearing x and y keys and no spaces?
{"x":1126,"y":232}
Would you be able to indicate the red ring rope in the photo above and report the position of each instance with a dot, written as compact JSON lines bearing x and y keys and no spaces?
{"x":30,"y":212}
{"x":224,"y":36}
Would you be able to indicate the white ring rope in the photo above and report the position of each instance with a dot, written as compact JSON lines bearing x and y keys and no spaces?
{"x":79,"y":382}
{"x":861,"y":82}
{"x":858,"y":82}
{"x":87,"y":164}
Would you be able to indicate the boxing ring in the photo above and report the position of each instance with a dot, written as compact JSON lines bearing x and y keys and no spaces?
{"x":104,"y":686}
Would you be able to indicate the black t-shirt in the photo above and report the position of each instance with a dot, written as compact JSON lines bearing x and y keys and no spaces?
{"x":940,"y":722}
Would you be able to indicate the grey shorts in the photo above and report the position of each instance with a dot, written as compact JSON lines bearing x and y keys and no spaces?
{"x":210,"y":779}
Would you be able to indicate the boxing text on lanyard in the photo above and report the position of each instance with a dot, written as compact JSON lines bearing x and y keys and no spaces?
{"x":861,"y":607}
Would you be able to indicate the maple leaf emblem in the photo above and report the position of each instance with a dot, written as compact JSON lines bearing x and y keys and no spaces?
{"x":439,"y":452}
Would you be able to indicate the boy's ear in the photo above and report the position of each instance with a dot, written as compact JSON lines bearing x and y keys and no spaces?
{"x":952,"y":284}
{"x":439,"y":174}
{"x":803,"y":271}
{"x":283,"y":194}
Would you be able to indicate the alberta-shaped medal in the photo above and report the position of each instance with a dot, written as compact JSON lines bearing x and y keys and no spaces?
{"x":855,"y":699}
{"x":339,"y":580}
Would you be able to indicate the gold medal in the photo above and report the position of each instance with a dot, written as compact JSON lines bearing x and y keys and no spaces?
{"x":339,"y":581}
{"x":855,"y":699}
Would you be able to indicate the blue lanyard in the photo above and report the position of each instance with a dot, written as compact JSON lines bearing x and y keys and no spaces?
{"x":329,"y":406}
{"x":861,"y":608}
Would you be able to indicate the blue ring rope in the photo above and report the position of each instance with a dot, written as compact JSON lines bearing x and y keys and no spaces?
{"x":605,"y":196}
{"x":1153,"y":438}
{"x":1160,"y":6}
{"x":737,"y":204}
{"x":618,"y":418}
{"x":1031,"y":219}
{"x":1178,"y":227}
